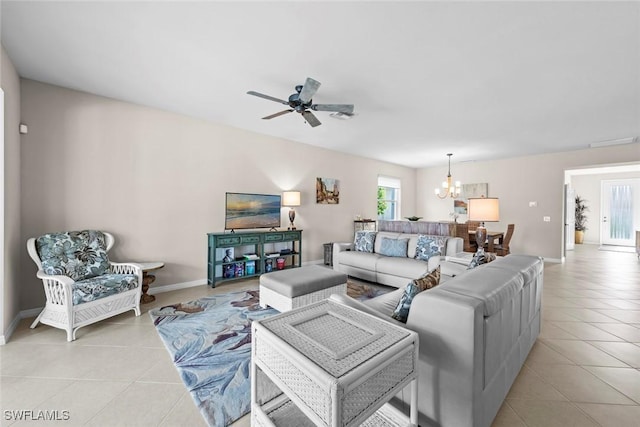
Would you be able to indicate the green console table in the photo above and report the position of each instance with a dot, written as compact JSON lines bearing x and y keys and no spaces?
{"x":233,"y":256}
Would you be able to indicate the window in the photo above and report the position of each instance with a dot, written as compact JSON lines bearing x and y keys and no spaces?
{"x":388,"y":198}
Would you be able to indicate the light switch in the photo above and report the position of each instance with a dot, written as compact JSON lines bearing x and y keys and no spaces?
{"x":533,"y":204}
{"x":546,"y":218}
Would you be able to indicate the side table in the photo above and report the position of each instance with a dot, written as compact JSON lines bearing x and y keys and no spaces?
{"x":148,"y":279}
{"x":331,"y":365}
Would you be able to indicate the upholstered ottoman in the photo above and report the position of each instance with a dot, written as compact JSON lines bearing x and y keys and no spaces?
{"x":288,"y":289}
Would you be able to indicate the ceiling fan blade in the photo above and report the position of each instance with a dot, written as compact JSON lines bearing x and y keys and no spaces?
{"x":341,"y":108}
{"x":277,"y":114}
{"x":308,"y":90}
{"x":270,"y":98}
{"x":311,"y":119}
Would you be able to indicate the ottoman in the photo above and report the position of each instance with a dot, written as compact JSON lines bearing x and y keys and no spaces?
{"x":288,"y":289}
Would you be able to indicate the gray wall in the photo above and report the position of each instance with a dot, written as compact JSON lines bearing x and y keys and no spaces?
{"x":516,"y":182}
{"x":157,"y":180}
{"x":13,"y":246}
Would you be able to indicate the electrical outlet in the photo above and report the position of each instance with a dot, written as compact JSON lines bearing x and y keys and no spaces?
{"x":546,"y":218}
{"x":533,"y":204}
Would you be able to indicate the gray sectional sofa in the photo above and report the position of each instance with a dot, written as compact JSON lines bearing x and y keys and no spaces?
{"x":476,"y":330}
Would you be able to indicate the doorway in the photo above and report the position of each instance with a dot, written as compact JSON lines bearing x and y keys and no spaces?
{"x":620,"y":200}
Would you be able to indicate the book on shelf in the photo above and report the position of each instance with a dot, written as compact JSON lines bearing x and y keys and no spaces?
{"x":273,"y":254}
{"x":251,"y":257}
{"x":250,"y":267}
{"x":228,"y":255}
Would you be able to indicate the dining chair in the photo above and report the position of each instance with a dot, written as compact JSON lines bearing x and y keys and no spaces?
{"x":502,"y":248}
{"x":462,"y":230}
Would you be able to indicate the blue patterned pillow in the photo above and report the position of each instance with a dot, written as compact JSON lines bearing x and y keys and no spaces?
{"x":79,"y":255}
{"x":432,"y":279}
{"x":427,"y":247}
{"x":364,"y":241}
{"x":481,"y":257}
{"x":394,"y":247}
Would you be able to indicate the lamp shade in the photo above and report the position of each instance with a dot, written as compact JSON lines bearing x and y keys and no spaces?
{"x":484,"y":209}
{"x":291,"y":198}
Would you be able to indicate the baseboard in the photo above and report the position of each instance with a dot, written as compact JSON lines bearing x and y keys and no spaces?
{"x":184,"y":285}
{"x":14,"y":324}
{"x":553,"y":260}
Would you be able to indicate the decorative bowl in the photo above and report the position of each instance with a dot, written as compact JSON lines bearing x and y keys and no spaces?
{"x":413,"y":218}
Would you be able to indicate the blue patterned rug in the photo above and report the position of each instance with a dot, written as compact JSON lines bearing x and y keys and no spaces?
{"x":209,"y":341}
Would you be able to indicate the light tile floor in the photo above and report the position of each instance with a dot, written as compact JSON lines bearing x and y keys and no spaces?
{"x":582,"y":371}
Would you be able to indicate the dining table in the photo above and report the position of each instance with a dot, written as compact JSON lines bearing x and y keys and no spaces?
{"x":492,"y":236}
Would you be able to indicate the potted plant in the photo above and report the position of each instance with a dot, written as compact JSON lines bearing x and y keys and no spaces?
{"x":581,"y":219}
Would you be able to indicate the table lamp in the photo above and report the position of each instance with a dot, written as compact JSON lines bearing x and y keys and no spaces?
{"x":291,"y":199}
{"x":484,"y":209}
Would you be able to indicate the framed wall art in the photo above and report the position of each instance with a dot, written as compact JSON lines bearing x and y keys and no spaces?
{"x":468,"y":191}
{"x":327,"y":191}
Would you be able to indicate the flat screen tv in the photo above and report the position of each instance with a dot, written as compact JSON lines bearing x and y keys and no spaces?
{"x":246,"y":211}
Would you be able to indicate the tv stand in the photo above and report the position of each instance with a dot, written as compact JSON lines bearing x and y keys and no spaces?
{"x":254,"y":252}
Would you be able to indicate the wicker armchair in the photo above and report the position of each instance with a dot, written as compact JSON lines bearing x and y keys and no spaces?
{"x":81,"y":285}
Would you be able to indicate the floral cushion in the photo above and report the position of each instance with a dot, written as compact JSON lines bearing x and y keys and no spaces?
{"x":364,"y":241}
{"x":481,"y":257}
{"x":428,"y":246}
{"x":394,"y":247}
{"x":102,"y":286}
{"x":428,"y":281}
{"x":79,"y":255}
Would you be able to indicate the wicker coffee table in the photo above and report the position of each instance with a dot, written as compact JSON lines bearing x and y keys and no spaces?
{"x":332,"y":365}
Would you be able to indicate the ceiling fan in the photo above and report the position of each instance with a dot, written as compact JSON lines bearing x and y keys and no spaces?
{"x":302,"y":103}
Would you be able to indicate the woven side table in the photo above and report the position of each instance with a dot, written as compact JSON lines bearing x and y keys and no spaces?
{"x":327,"y":364}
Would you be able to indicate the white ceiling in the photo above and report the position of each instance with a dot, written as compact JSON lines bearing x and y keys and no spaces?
{"x":482,"y":80}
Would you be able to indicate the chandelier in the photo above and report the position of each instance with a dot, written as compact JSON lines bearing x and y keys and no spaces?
{"x":450,"y":190}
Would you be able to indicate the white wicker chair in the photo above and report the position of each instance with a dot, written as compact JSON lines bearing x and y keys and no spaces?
{"x":60,"y":310}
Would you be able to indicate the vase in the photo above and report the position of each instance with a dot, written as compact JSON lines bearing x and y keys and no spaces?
{"x":579,"y":237}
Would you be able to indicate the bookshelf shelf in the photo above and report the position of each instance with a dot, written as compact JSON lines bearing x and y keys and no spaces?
{"x":264,"y":246}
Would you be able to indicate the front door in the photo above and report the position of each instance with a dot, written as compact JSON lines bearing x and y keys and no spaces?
{"x":620,"y":211}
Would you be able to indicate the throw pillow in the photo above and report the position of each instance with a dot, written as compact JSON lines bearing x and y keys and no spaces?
{"x":394,"y":247}
{"x":79,"y":255}
{"x":430,"y":280}
{"x":364,"y":241}
{"x":426,"y":247}
{"x":481,"y":257}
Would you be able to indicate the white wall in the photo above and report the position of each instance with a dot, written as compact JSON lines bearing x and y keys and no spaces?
{"x":157,"y":180}
{"x":12,"y":244}
{"x":516,"y":182}
{"x":589,"y":187}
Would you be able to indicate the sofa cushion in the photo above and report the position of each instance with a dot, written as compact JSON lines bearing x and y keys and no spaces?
{"x":413,"y":288}
{"x":393,"y":247}
{"x":388,"y":235}
{"x":426,"y":247}
{"x":523,"y":263}
{"x":364,"y":260}
{"x":385,"y":303}
{"x":102,"y":286}
{"x":481,"y":257}
{"x":364,"y":241}
{"x":79,"y":255}
{"x":402,"y":267}
{"x":493,"y":286}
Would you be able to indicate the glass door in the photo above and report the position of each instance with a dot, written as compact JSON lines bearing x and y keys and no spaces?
{"x":620,"y":211}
